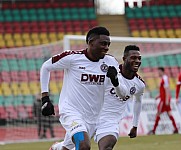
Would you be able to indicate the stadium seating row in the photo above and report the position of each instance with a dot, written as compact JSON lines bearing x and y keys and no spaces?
{"x":162,"y":60}
{"x":50,"y":26}
{"x":37,"y":5}
{"x":155,"y":21}
{"x":154,"y":12}
{"x":48,"y":14}
{"x":156,"y":2}
{"x":162,"y":33}
{"x":29,"y":24}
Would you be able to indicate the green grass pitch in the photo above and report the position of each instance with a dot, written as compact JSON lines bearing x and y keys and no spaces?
{"x":153,"y":142}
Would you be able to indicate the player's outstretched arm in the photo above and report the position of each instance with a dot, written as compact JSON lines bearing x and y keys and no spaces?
{"x":136,"y":115}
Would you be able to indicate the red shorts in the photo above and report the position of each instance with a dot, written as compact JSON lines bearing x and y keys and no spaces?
{"x":162,"y":107}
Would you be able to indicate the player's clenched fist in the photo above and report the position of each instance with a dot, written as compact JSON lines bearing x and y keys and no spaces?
{"x":47,"y":108}
{"x":112,"y":74}
{"x":133,"y":132}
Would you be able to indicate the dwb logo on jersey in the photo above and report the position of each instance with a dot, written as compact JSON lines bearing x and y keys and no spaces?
{"x":93,"y":79}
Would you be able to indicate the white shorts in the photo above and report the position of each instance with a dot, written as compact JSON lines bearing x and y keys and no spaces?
{"x":74,"y":124}
{"x":104,"y":128}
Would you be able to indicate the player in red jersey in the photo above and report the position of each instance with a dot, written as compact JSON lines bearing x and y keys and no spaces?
{"x":164,"y":104}
{"x":178,"y":88}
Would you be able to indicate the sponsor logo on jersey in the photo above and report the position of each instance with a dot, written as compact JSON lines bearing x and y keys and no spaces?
{"x":75,"y":125}
{"x":113,"y":93}
{"x":93,"y":79}
{"x":81,"y":67}
{"x":132,"y":90}
{"x":104,"y":67}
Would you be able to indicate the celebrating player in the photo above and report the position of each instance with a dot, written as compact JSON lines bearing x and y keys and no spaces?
{"x":127,"y":86}
{"x":164,"y":104}
{"x":82,"y":94}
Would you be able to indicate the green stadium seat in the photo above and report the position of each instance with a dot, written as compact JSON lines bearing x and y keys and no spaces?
{"x":4,"y":65}
{"x":33,"y":17}
{"x":8,"y":18}
{"x":18,"y":100}
{"x":48,"y":11}
{"x":17,"y":18}
{"x":91,"y":13}
{"x":153,"y":93}
{"x":162,"y":8}
{"x":144,"y":62}
{"x":172,"y":14}
{"x":74,"y":14}
{"x":2,"y":18}
{"x":28,"y":100}
{"x":55,"y":99}
{"x":22,"y":64}
{"x":1,"y":100}
{"x":7,"y":12}
{"x":154,"y":8}
{"x":57,"y":11}
{"x":15,"y":12}
{"x":39,"y":63}
{"x":66,"y":14}
{"x":24,"y":11}
{"x":31,"y":64}
{"x":50,"y":17}
{"x":40,"y":11}
{"x":155,"y":14}
{"x":161,"y":61}
{"x":83,"y":13}
{"x":178,"y":59}
{"x":32,"y":12}
{"x":8,"y":100}
{"x":152,"y":62}
{"x":58,"y":17}
{"x":13,"y":64}
{"x":25,"y":17}
{"x":42,"y":17}
{"x":171,"y":61}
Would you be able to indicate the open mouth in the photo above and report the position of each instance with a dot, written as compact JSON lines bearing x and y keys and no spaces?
{"x":136,"y":67}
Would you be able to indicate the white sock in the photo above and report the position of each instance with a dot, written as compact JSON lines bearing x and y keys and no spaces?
{"x":57,"y":146}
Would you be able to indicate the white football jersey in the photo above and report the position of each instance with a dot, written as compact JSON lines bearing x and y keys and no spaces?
{"x":114,"y":106}
{"x":83,"y":84}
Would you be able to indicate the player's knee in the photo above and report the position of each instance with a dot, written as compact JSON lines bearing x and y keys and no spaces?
{"x":80,"y":142}
{"x":84,"y":146}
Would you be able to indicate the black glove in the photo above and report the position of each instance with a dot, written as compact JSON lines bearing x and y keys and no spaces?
{"x":47,"y":108}
{"x":112,"y":74}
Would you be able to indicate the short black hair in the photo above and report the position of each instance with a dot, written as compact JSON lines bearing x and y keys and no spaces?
{"x":97,"y":30}
{"x":130,"y":48}
{"x":161,"y":68}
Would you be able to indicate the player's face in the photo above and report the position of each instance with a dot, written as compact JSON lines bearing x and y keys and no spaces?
{"x":160,"y":73}
{"x":100,"y":46}
{"x":133,"y":61}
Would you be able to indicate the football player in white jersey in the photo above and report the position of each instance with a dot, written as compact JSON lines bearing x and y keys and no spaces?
{"x":127,"y":86}
{"x":82,"y":94}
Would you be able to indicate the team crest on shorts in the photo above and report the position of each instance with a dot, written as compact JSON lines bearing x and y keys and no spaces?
{"x":104,"y":67}
{"x":132,"y":90}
